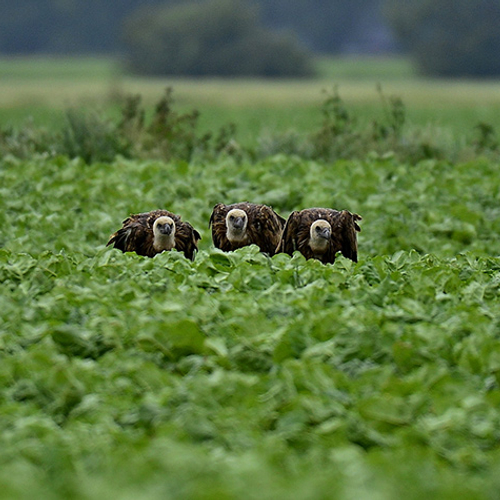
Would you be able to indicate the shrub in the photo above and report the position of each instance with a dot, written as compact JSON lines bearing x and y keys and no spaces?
{"x":342,"y":136}
{"x":449,"y":37}
{"x":169,"y":134}
{"x":216,"y":37}
{"x":91,"y":137}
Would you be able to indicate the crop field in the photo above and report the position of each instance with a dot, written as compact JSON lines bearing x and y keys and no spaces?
{"x":244,"y":376}
{"x":241,"y":376}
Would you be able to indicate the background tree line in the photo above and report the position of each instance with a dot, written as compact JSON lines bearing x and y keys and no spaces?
{"x":69,"y":26}
{"x":262,"y":37}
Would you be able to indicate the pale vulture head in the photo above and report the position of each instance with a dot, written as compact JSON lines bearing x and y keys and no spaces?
{"x":236,"y":223}
{"x":320,"y":233}
{"x":164,"y":233}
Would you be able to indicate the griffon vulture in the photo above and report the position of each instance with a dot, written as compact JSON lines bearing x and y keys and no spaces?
{"x":240,"y":224}
{"x":153,"y":232}
{"x":319,"y":233}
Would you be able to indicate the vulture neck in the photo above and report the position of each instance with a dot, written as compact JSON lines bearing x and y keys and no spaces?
{"x":236,"y":235}
{"x":318,"y":244}
{"x":164,"y":242}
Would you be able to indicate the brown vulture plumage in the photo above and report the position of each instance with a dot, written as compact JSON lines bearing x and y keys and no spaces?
{"x":153,"y":232}
{"x":240,"y":224}
{"x":319,"y":233}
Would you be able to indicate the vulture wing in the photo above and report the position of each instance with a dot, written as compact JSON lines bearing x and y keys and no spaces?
{"x":265,"y":228}
{"x":344,"y":234}
{"x":186,"y":239}
{"x":134,"y":236}
{"x":288,"y":242}
{"x":218,"y":224}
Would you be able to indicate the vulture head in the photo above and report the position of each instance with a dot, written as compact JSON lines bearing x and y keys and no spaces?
{"x":164,"y":233}
{"x":320,"y":233}
{"x":236,"y":223}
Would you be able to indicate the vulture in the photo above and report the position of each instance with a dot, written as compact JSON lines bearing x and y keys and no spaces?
{"x":153,"y":232}
{"x":319,"y":233}
{"x":240,"y":224}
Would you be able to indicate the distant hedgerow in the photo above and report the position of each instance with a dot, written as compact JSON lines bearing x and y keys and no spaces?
{"x":167,"y":135}
{"x":341,"y":136}
{"x":27,"y":141}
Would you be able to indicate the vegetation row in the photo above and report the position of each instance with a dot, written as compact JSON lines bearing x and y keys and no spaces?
{"x":167,"y":134}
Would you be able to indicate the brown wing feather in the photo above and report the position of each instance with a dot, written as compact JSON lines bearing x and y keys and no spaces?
{"x":136,"y":234}
{"x":288,"y":242}
{"x":264,"y":226}
{"x":345,"y":234}
{"x":186,"y":239}
{"x":296,"y":234}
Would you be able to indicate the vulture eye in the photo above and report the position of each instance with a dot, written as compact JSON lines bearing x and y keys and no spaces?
{"x":231,"y":217}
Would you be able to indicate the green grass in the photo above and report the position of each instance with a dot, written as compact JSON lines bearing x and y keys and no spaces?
{"x":365,"y":68}
{"x":241,"y":376}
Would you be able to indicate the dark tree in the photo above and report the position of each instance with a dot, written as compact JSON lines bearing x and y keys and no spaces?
{"x":330,"y":26}
{"x":449,"y":37}
{"x":62,"y":26}
{"x":214,"y":37}
{"x":71,"y":26}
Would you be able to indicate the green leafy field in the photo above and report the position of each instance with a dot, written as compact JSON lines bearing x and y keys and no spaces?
{"x":241,"y":376}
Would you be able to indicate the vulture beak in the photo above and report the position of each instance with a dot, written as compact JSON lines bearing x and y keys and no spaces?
{"x":238,"y":223}
{"x":324,"y":233}
{"x":165,"y":229}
